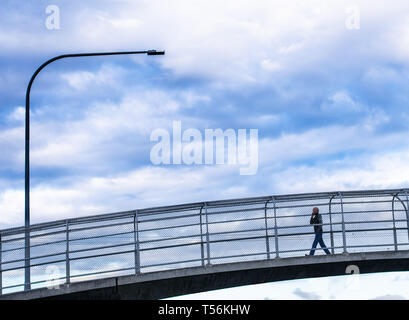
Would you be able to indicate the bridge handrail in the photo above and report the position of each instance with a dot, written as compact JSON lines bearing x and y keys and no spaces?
{"x":195,"y":205}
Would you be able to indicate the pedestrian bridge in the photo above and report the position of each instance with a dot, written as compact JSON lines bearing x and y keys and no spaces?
{"x":168,"y":251}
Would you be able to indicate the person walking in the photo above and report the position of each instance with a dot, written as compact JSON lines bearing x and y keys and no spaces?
{"x":316,"y":220}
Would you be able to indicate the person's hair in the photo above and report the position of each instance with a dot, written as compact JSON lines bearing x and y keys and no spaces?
{"x":318,"y":210}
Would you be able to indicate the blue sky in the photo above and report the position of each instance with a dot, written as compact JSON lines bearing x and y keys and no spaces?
{"x":329,"y":102}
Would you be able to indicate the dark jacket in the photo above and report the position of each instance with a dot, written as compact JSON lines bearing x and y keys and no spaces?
{"x":316,"y":220}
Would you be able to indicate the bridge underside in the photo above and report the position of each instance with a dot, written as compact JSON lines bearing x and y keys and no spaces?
{"x":163,"y":284}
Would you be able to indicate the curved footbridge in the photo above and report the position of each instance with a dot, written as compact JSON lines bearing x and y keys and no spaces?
{"x":169,"y":251}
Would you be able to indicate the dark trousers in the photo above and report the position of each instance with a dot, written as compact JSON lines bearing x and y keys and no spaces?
{"x":318,"y":239}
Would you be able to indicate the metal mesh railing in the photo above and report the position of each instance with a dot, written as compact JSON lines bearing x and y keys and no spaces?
{"x":200,"y":234}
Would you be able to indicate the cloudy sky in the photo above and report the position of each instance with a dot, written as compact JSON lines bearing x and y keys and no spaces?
{"x":325,"y":83}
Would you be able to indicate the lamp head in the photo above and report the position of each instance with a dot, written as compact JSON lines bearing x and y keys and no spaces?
{"x":155,"y":53}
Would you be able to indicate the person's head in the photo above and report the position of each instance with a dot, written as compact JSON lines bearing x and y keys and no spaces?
{"x":315,"y":210}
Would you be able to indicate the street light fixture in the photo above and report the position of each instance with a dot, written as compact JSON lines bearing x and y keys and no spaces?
{"x":27,"y":281}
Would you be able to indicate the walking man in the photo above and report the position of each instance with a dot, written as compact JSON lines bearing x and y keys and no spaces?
{"x":316,"y":220}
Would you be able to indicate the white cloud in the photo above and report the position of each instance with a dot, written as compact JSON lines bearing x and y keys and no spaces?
{"x":105,"y":130}
{"x":235,"y":40}
{"x":306,"y":295}
{"x":154,"y":186}
{"x":390,"y":297}
{"x":144,"y":187}
{"x":18,"y":115}
{"x":12,"y":207}
{"x":318,"y":142}
{"x":270,"y":65}
{"x":97,"y":143}
{"x":377,"y":171}
{"x":12,"y":146}
{"x":369,"y":286}
{"x":342,"y":101}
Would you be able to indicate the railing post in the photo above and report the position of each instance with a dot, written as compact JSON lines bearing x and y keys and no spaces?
{"x":275,"y":229}
{"x":67,"y":252}
{"x":407,"y":211}
{"x":1,"y":266}
{"x":395,"y":239}
{"x":330,"y":225}
{"x":266,"y":225}
{"x":344,"y":245}
{"x":136,"y":242}
{"x":207,"y":235}
{"x":201,"y":237}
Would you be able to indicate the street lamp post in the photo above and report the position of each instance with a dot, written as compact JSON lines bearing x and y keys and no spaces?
{"x":27,"y":281}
